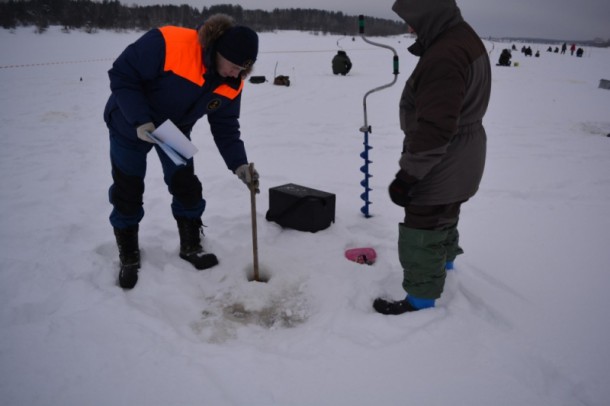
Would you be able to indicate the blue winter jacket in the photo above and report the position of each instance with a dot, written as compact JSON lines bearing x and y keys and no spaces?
{"x":167,"y":75}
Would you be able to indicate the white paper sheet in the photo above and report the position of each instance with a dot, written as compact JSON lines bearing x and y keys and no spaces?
{"x":170,"y":135}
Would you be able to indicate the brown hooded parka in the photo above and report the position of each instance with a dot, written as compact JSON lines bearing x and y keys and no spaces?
{"x":443,"y":104}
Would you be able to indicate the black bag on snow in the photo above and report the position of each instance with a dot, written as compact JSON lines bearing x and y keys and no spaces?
{"x":301,"y":208}
{"x":258,"y":79}
{"x":281,"y":80}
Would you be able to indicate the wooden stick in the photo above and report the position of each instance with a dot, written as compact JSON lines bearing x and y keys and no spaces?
{"x":253,"y":212}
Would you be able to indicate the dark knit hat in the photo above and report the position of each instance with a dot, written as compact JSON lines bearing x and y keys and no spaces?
{"x":239,"y":45}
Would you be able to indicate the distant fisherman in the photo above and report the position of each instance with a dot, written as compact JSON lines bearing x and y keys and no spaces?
{"x":341,"y":63}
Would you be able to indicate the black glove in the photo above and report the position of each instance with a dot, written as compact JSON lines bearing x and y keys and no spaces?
{"x":399,"y":190}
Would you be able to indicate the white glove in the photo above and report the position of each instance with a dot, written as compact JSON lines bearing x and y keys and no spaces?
{"x":143,"y":130}
{"x":250,"y":179}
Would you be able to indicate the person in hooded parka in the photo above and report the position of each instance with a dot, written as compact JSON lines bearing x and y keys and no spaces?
{"x":442,"y":156}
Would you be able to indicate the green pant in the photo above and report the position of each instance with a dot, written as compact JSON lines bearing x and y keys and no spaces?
{"x":426,"y":241}
{"x":452,"y":243}
{"x":422,"y":256}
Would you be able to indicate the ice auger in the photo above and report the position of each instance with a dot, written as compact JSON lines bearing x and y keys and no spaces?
{"x":366,"y":128}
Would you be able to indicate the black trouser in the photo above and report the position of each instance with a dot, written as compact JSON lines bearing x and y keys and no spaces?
{"x":128,"y":158}
{"x":437,"y":217}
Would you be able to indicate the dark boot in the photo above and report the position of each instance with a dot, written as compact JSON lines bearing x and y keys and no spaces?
{"x":129,"y":254}
{"x":409,"y":304}
{"x":384,"y":306}
{"x":190,"y":244}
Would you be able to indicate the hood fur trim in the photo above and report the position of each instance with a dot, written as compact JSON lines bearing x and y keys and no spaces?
{"x":212,"y":29}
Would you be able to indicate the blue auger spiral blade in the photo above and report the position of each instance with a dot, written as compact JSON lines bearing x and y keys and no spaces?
{"x":365,"y":184}
{"x":365,"y":154}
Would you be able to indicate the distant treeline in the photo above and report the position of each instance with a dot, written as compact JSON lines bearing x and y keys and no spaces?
{"x":93,"y":15}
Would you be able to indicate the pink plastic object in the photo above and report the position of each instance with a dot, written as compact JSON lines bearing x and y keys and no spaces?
{"x":361,"y":255}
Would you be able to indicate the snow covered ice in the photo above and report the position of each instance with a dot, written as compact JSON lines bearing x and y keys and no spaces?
{"x":524,"y":316}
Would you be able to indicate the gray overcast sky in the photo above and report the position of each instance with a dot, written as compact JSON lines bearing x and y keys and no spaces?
{"x":555,"y":19}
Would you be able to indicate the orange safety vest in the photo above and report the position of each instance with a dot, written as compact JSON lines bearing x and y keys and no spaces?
{"x":183,"y":57}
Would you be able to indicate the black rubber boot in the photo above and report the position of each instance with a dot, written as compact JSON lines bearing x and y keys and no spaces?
{"x":190,"y":244}
{"x":393,"y":307}
{"x":129,"y":254}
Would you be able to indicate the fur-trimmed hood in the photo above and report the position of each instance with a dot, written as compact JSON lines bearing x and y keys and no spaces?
{"x":211,"y":30}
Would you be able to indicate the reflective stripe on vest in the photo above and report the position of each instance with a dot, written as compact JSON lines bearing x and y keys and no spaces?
{"x":228,"y":92}
{"x":183,"y":57}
